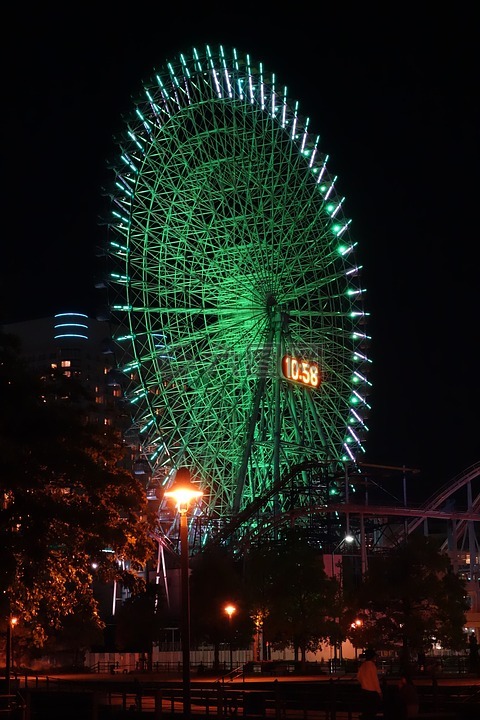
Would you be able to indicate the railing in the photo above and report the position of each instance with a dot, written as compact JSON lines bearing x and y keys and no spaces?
{"x":233,"y":675}
{"x":12,"y":706}
{"x":231,"y":695}
{"x":329,"y":698}
{"x":224,"y":701}
{"x":454,"y":664}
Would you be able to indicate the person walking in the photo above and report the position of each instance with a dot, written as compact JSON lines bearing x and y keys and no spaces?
{"x":371,"y":692}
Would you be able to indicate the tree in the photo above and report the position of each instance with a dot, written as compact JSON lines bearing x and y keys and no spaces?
{"x":77,"y":634}
{"x":66,"y":501}
{"x":216,"y":580}
{"x":290,"y":590}
{"x":141,"y":621}
{"x":410,"y":598}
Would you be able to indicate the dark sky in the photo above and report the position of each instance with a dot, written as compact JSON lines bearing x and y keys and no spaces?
{"x":393,"y":94}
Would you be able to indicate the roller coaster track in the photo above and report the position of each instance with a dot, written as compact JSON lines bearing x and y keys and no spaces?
{"x":442,"y":496}
{"x":436,"y":506}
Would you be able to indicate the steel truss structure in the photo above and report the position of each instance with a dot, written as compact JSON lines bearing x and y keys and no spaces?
{"x":237,"y":291}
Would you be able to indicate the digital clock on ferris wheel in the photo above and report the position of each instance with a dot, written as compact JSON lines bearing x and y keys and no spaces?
{"x":299,"y":370}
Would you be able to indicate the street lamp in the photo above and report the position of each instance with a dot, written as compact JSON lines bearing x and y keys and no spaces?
{"x":230,"y":610}
{"x":183,"y":492}
{"x":347,"y":539}
{"x":12,"y":621}
{"x":354,"y":626}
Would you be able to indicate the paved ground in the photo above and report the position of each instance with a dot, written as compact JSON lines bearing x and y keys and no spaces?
{"x":468,"y":680}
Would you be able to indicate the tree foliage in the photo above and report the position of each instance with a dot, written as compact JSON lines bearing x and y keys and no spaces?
{"x":288,"y":587}
{"x":411,"y":598}
{"x":141,"y":620}
{"x":66,"y":501}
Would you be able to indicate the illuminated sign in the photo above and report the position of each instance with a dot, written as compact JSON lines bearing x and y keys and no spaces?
{"x":301,"y":371}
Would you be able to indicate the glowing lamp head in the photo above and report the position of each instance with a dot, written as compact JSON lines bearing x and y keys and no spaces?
{"x":183,"y":492}
{"x":230,"y":610}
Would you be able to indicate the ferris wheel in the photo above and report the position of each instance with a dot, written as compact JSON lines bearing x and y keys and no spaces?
{"x":238,"y":295}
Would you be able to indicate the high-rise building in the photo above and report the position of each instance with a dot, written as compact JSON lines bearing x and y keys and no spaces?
{"x":73,"y":345}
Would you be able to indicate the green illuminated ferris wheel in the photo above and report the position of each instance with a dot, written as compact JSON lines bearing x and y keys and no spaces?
{"x":239,"y":296}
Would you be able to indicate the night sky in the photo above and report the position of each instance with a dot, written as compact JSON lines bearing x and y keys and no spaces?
{"x":394,"y":97}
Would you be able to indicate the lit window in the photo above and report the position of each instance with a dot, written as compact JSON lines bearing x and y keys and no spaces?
{"x":66,"y":363}
{"x":54,"y":366}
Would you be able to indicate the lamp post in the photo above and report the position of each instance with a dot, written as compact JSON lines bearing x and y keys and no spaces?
{"x":12,"y":621}
{"x":183,"y":492}
{"x":230,"y":610}
{"x":258,"y":640}
{"x":347,"y":539}
{"x":355,"y":625}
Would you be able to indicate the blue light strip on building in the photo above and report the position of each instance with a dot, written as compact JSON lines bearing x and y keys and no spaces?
{"x":71,"y":325}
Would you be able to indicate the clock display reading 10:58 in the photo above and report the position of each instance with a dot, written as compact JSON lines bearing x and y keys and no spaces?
{"x":301,"y":371}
